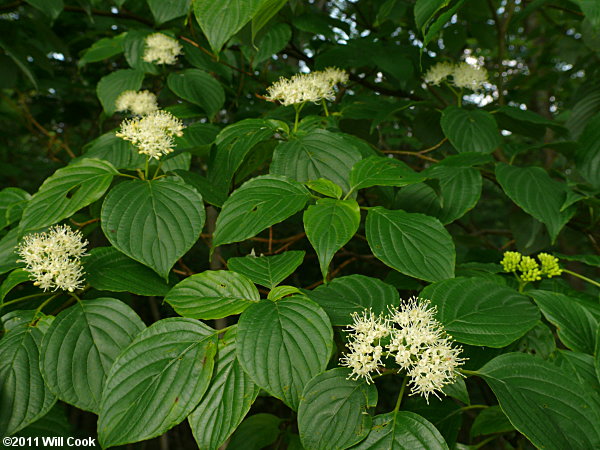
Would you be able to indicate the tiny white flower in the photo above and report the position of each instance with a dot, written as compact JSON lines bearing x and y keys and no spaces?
{"x":161,"y":49}
{"x":307,"y":87}
{"x":438,"y":73}
{"x":152,"y":134}
{"x":53,"y":258}
{"x":471,"y":77}
{"x":139,"y":103}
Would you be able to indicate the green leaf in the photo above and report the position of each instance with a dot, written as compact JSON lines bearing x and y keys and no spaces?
{"x":470,"y":130}
{"x":81,"y":345}
{"x":13,"y":279}
{"x":68,"y":190}
{"x":576,"y":326}
{"x":135,"y":47}
{"x":165,"y":10}
{"x":587,"y":155}
{"x":268,"y":271}
{"x":12,"y":203}
{"x":207,"y":189}
{"x":597,"y":353}
{"x":51,"y":8}
{"x":112,"y":85}
{"x":54,"y":423}
{"x":198,"y":87}
{"x":318,"y":154}
{"x":8,"y":256}
{"x":480,"y":312}
{"x":425,"y":10}
{"x":221,"y":20}
{"x":102,"y":49}
{"x":345,"y":295}
{"x":272,"y":42}
{"x":402,"y":430}
{"x":532,"y":189}
{"x":590,"y":260}
{"x":278,"y":292}
{"x":491,"y":420}
{"x":154,"y":222}
{"x":413,"y":244}
{"x":259,"y":203}
{"x":440,"y":21}
{"x":256,"y":432}
{"x":157,"y":381}
{"x":25,"y":397}
{"x":333,"y":410}
{"x":581,"y":365}
{"x":213,"y":294}
{"x":591,"y":9}
{"x":329,"y":225}
{"x":119,"y":152}
{"x":378,"y":171}
{"x":459,"y":191}
{"x":543,"y":402}
{"x":234,"y":142}
{"x":268,"y":9}
{"x":325,"y":187}
{"x":107,"y":269}
{"x":227,"y":400}
{"x":300,"y":331}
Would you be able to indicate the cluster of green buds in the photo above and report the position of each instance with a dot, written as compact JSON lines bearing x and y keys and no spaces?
{"x":528,"y":269}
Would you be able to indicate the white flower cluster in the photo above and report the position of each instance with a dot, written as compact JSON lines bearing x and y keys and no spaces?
{"x":53,"y":258}
{"x":364,"y":344}
{"x":417,"y":342}
{"x":463,"y":75}
{"x":139,"y":103}
{"x":161,"y":49}
{"x":153,"y":133}
{"x":307,"y":87}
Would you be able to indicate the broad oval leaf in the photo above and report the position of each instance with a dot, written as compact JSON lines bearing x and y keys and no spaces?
{"x":325,"y":187}
{"x":157,"y":381}
{"x":165,"y":10}
{"x":470,"y":130}
{"x":283,"y":344}
{"x":268,"y":271}
{"x":481,"y":312}
{"x":107,"y":269}
{"x":68,"y":190}
{"x":119,"y":152}
{"x":102,"y":49}
{"x":8,"y":256}
{"x":12,"y":203}
{"x":345,"y":295}
{"x":25,"y":397}
{"x":378,"y":171}
{"x":227,"y":400}
{"x":81,"y":345}
{"x":333,"y":410}
{"x":198,"y":87}
{"x":257,"y":204}
{"x":414,"y":244}
{"x":329,"y":225}
{"x":112,"y":85}
{"x":221,"y":20}
{"x":213,"y":294}
{"x":576,"y":326}
{"x":12,"y":280}
{"x":402,"y":430}
{"x":543,"y":402}
{"x":318,"y":154}
{"x":154,"y":222}
{"x":532,"y":189}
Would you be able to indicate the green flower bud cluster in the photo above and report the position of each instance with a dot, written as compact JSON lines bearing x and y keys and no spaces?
{"x":528,"y":269}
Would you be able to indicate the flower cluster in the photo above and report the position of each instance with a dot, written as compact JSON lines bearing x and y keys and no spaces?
{"x":139,"y":103}
{"x":307,"y":87}
{"x":529,"y":268}
{"x":161,"y":49}
{"x":152,"y":134}
{"x":417,"y":343}
{"x":53,"y":258}
{"x":463,"y":75}
{"x":364,"y":343}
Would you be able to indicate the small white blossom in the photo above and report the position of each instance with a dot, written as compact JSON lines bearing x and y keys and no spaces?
{"x":53,"y":258}
{"x":438,"y":73}
{"x":365,"y":352}
{"x":420,"y":346}
{"x":161,"y":49}
{"x":139,"y":103}
{"x":152,"y":134}
{"x":307,"y":87}
{"x":471,"y":77}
